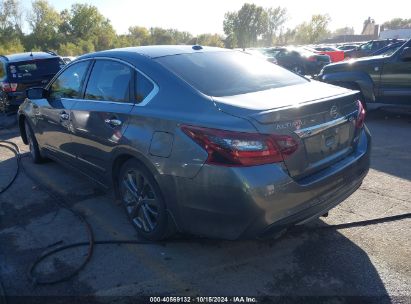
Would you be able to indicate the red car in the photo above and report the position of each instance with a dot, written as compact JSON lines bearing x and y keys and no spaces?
{"x":334,"y":53}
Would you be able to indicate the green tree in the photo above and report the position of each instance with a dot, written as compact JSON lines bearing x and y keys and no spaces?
{"x":88,"y":24}
{"x":276,"y":17}
{"x":251,"y":22}
{"x":313,"y":31}
{"x":397,"y":23}
{"x":138,"y":35}
{"x":208,"y":40}
{"x":160,"y":36}
{"x":10,"y":27}
{"x":229,"y":27}
{"x":44,"y":21}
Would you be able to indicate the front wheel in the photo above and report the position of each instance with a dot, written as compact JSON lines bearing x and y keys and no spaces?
{"x":143,"y":202}
{"x":35,"y":153}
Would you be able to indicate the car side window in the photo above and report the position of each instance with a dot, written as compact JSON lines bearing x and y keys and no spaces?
{"x":69,"y":83}
{"x":366,"y":47}
{"x":109,"y":81}
{"x":143,"y":87}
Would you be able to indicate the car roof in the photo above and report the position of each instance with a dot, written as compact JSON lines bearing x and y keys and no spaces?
{"x":156,"y":51}
{"x":29,"y":56}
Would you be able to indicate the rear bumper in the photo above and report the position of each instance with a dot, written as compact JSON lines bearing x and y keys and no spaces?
{"x":231,"y":203}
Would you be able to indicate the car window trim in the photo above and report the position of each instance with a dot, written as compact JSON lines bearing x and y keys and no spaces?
{"x":144,"y":102}
{"x":87,"y":74}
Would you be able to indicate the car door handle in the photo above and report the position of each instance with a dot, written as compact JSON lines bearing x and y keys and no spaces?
{"x":113,"y":122}
{"x":64,"y":116}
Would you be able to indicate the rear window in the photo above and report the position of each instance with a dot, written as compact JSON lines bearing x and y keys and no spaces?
{"x":44,"y":68}
{"x":228,"y":73}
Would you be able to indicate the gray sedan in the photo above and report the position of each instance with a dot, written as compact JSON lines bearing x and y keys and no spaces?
{"x":201,"y":140}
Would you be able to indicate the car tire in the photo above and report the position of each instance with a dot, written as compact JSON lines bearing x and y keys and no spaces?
{"x":35,"y":153}
{"x":143,"y":201}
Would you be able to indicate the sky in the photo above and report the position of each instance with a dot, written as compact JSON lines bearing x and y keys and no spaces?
{"x":206,"y":16}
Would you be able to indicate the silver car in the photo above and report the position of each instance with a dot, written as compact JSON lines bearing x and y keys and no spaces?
{"x":201,"y":140}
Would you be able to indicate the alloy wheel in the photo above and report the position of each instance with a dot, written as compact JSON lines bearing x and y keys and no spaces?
{"x":140,"y":200}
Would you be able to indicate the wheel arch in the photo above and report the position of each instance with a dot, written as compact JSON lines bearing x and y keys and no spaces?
{"x":121,"y":156}
{"x":349,"y":79}
{"x":22,"y":127}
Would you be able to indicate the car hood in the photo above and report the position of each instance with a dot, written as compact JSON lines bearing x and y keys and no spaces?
{"x":289,"y":96}
{"x":354,"y":63}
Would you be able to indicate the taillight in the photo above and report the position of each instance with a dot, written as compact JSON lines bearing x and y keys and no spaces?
{"x":361,"y":115}
{"x":8,"y":87}
{"x":312,"y":58}
{"x":230,"y":148}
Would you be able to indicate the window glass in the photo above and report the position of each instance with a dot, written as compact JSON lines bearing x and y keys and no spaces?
{"x":228,"y":73}
{"x":35,"y":68}
{"x":110,"y":81}
{"x":143,"y":87}
{"x":69,"y":83}
{"x":366,"y":46}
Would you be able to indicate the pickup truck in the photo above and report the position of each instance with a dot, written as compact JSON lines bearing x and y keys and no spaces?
{"x":380,"y":79}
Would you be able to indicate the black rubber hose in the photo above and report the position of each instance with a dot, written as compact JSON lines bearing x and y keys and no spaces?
{"x":16,"y":151}
{"x":41,"y":281}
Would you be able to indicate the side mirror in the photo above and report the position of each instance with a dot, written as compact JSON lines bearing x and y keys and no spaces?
{"x":36,"y":93}
{"x":406,"y":54}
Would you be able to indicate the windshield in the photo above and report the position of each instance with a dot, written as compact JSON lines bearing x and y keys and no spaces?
{"x":228,"y":73}
{"x":25,"y":70}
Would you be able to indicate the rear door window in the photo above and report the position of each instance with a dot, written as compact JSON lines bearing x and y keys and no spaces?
{"x":143,"y":87}
{"x":34,"y":69}
{"x":109,"y":81}
{"x":70,"y":82}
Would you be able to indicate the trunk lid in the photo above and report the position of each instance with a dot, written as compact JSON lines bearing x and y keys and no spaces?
{"x":320,"y":117}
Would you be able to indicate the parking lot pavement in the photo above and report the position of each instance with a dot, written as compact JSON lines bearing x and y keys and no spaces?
{"x":357,"y":260}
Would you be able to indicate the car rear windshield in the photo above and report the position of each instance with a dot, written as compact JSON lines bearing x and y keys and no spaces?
{"x":43,"y":68}
{"x":228,"y":73}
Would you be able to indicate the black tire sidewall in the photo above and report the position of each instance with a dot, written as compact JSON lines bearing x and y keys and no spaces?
{"x":35,"y":153}
{"x":162,"y":230}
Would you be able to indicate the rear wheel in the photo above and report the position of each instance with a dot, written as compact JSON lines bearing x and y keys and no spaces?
{"x":33,"y":144}
{"x":356,"y":87}
{"x":143,"y":201}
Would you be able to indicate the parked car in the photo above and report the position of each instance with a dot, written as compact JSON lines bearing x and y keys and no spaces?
{"x":299,"y":60}
{"x":370,"y":47}
{"x":204,"y":140}
{"x":19,"y":72}
{"x":382,"y":79}
{"x":335,"y":54}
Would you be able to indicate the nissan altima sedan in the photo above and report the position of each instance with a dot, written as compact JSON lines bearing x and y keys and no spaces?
{"x":201,"y":140}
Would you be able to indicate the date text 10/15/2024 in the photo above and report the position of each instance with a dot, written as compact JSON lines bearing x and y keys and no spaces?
{"x":203,"y":300}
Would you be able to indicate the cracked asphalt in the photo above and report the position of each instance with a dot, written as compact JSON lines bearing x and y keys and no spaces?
{"x":370,"y":261}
